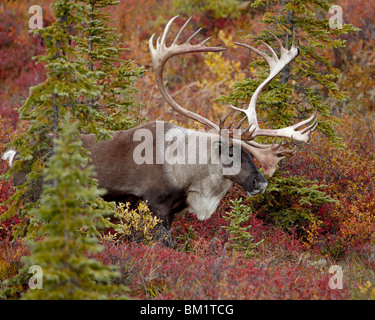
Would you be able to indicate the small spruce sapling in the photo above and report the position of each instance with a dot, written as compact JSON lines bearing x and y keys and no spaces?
{"x":240,"y":239}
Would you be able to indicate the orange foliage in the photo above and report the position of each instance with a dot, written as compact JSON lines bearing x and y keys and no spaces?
{"x":358,"y":60}
{"x":349,"y":174}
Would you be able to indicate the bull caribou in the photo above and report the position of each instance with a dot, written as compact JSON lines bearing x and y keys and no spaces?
{"x":154,"y":162}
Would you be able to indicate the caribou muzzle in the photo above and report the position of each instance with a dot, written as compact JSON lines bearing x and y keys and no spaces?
{"x":258,"y":187}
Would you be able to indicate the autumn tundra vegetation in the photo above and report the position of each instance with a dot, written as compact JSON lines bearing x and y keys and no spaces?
{"x":309,"y":235}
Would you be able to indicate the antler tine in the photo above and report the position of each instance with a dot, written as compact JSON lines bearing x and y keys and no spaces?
{"x":245,"y":135}
{"x":180,"y":31}
{"x":239,"y":124}
{"x":288,"y":153}
{"x":274,"y":141}
{"x":192,"y":36}
{"x":204,"y":41}
{"x":311,"y":122}
{"x":248,"y":133}
{"x":282,"y":48}
{"x":223,"y":119}
{"x":312,"y":126}
{"x":274,"y":55}
{"x":162,"y":53}
{"x":264,"y":55}
{"x":232,"y":121}
{"x":166,"y":30}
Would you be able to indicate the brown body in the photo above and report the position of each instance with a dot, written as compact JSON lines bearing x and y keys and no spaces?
{"x":169,"y":187}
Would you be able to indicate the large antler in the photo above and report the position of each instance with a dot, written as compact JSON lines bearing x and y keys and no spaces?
{"x":162,"y":53}
{"x":276,"y":65}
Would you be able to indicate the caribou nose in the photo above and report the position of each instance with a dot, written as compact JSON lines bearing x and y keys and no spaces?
{"x":257,"y":187}
{"x":260,"y":185}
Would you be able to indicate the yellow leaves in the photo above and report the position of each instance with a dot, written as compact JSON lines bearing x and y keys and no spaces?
{"x":368,"y":290}
{"x":357,"y":219}
{"x":226,"y":38}
{"x":349,"y":173}
{"x":10,"y":255}
{"x":225,"y":72}
{"x":312,"y":232}
{"x":137,"y":225}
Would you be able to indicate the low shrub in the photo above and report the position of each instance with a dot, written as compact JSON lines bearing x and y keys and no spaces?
{"x":136,"y":225}
{"x":156,"y":272}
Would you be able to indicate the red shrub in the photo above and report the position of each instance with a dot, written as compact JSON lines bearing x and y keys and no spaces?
{"x":162,"y":273}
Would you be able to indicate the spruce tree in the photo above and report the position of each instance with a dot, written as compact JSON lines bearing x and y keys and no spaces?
{"x":86,"y":78}
{"x":303,"y":87}
{"x":49,"y":102}
{"x":62,"y":254}
{"x":240,"y":238}
{"x":99,"y":44}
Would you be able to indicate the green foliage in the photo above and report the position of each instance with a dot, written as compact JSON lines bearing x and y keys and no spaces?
{"x":288,"y":201}
{"x":186,"y":240}
{"x":85,"y":78}
{"x":240,"y":238}
{"x":69,"y":228}
{"x":98,"y":43}
{"x":218,"y":8}
{"x":49,"y":102}
{"x":307,"y":85}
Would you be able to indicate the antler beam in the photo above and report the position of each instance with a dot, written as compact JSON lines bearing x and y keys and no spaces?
{"x":161,"y":53}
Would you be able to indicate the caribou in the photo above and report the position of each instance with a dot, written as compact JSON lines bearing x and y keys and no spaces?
{"x":174,"y":168}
